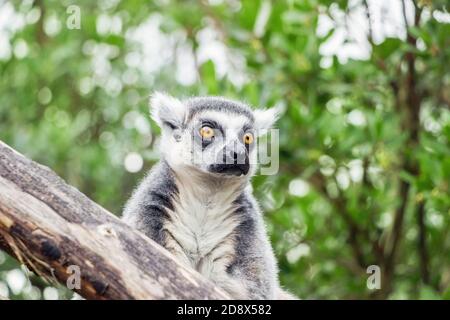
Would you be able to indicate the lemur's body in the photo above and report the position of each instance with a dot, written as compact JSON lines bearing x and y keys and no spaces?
{"x":205,"y":213}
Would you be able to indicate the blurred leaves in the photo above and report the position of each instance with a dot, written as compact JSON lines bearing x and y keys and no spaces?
{"x":76,"y":101}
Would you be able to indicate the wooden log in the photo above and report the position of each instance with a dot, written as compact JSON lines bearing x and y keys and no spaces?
{"x":56,"y":231}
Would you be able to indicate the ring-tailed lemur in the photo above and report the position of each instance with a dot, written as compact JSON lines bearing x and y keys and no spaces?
{"x":197,"y":201}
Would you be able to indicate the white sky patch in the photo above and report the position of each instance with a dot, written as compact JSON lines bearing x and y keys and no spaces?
{"x":16,"y":280}
{"x":263,"y":17}
{"x":212,"y":49}
{"x":186,"y":73}
{"x":106,"y":24}
{"x":357,"y":118}
{"x":85,"y":85}
{"x":130,"y":77}
{"x":101,"y":54}
{"x":33,"y":15}
{"x":327,"y":165}
{"x":356,"y":170}
{"x":99,"y":63}
{"x":108,"y":4}
{"x":51,"y":293}
{"x":133,"y":119}
{"x":349,"y":40}
{"x":11,"y":22}
{"x":20,"y":49}
{"x":334,"y":105}
{"x":326,"y":62}
{"x":5,"y":48}
{"x":132,"y":59}
{"x":156,"y":48}
{"x":436,"y":219}
{"x":294,"y":254}
{"x":4,"y":290}
{"x":299,"y":187}
{"x":343,"y":178}
{"x":133,"y":162}
{"x":52,"y":26}
{"x":113,"y":86}
{"x":385,"y":220}
{"x":215,"y":2}
{"x":227,"y":62}
{"x":129,"y":119}
{"x":142,"y":125}
{"x":441,"y":16}
{"x":434,"y":123}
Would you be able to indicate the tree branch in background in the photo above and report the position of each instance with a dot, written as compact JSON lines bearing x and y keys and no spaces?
{"x":369,"y":20}
{"x":355,"y":234}
{"x":422,"y":243}
{"x":41,"y":36}
{"x":50,"y":226}
{"x":409,"y":104}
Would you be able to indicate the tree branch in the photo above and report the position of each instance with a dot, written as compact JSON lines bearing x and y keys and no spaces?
{"x":422,"y":243}
{"x":50,"y":226}
{"x":409,"y":106}
{"x":369,"y":19}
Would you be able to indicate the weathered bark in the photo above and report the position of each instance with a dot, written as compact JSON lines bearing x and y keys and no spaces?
{"x":49,"y":225}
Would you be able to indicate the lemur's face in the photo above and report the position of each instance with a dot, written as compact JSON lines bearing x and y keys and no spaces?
{"x":214,"y":135}
{"x":222,"y":143}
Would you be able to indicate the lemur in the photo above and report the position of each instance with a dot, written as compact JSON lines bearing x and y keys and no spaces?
{"x":197,"y":201}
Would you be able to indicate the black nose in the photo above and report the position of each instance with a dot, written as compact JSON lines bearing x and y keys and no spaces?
{"x":236,"y":155}
{"x":232,"y":161}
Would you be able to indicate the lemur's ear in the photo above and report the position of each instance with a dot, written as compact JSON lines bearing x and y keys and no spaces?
{"x":265,"y":119}
{"x":167,"y":110}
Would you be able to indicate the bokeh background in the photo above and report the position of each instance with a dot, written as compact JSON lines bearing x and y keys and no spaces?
{"x":364,"y":137}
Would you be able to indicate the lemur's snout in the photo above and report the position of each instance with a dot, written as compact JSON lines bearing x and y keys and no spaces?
{"x":232,"y":160}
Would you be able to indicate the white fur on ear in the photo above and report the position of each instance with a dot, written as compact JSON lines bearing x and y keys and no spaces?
{"x":265,"y":119}
{"x":167,"y":110}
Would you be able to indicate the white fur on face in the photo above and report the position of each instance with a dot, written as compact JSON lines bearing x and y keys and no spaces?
{"x":166,"y":109}
{"x":171,"y":115}
{"x":187,"y":152}
{"x":265,"y":119}
{"x":232,"y":123}
{"x":177,"y":152}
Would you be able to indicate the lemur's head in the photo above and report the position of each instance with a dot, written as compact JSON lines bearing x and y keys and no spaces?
{"x":211,"y":134}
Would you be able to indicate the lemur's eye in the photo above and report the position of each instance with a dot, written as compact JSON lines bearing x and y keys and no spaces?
{"x":207,"y":132}
{"x":248,"y":138}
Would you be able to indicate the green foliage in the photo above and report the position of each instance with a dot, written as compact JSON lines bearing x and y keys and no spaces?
{"x":76,"y":101}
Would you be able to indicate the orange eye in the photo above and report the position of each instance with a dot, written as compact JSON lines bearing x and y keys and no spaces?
{"x":207,"y":132}
{"x":248,"y":138}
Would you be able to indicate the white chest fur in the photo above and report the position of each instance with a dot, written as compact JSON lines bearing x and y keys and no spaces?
{"x":202,"y":225}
